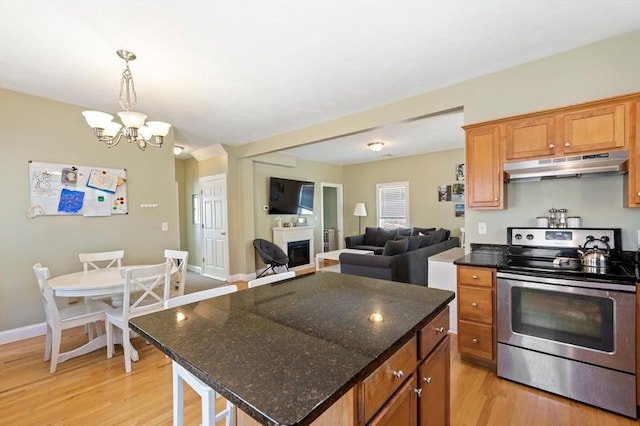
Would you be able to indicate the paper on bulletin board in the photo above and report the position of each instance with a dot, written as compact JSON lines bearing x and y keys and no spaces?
{"x":97,"y":204}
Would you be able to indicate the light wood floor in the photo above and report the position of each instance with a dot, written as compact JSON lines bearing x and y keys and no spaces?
{"x":94,"y":390}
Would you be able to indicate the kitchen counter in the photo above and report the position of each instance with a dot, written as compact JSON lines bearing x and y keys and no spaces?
{"x":488,"y":256}
{"x":284,"y":353}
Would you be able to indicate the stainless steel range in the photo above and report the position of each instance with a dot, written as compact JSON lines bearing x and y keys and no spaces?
{"x":566,"y":316}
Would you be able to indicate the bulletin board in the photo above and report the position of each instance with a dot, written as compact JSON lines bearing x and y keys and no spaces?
{"x":72,"y":189}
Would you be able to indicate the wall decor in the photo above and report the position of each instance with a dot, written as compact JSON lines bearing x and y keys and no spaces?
{"x":195,"y":205}
{"x":460,"y":171}
{"x":75,"y":190}
{"x":457,"y":192}
{"x":444,"y":193}
{"x":459,"y":210}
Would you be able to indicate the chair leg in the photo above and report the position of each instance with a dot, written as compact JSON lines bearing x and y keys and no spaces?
{"x":126,"y":345}
{"x":109,"y":329}
{"x":47,"y":344}
{"x":178,"y":396}
{"x":55,"y":349}
{"x":208,"y":407}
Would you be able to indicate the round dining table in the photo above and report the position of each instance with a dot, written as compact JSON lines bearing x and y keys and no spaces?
{"x":94,"y":283}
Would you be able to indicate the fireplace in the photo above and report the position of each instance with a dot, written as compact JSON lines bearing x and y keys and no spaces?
{"x":298,"y":252}
{"x":297,"y":242}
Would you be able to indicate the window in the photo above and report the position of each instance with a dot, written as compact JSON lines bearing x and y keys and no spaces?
{"x":393,"y":204}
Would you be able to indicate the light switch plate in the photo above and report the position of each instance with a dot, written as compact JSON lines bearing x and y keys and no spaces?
{"x":165,"y":226}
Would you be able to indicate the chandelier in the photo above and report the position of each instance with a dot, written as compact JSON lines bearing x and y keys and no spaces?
{"x":109,"y":131}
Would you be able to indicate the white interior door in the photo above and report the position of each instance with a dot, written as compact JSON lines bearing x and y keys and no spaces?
{"x":215,"y":243}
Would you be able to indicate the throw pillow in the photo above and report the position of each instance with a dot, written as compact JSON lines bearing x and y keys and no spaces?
{"x":414,"y":242}
{"x":385,"y":235}
{"x":417,"y":231}
{"x":393,"y":247}
{"x":370,"y":236}
{"x":405,"y":232}
{"x":427,"y":240}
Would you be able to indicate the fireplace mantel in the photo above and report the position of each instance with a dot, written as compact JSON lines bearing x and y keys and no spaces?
{"x":282,"y":236}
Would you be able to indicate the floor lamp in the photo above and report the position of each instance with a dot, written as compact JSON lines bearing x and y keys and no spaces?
{"x":360,"y":211}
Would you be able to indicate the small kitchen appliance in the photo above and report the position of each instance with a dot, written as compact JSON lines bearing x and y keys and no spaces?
{"x":566,"y":315}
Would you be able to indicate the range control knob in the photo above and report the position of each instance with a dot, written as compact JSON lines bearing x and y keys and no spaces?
{"x":529,"y":236}
{"x":518,"y":236}
{"x":604,"y":239}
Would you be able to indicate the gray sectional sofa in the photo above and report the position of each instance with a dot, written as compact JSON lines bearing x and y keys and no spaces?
{"x":402,"y":258}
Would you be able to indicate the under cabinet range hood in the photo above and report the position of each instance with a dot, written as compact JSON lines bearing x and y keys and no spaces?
{"x":570,"y":166}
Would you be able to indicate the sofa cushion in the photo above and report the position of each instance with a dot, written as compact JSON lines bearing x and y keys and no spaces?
{"x":405,"y":232}
{"x":370,"y":235}
{"x":385,"y":235}
{"x":427,"y":240}
{"x":417,"y":231}
{"x":439,"y":235}
{"x":414,"y":242}
{"x":393,"y":247}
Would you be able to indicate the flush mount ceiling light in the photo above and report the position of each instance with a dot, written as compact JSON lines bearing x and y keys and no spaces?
{"x":177,"y":149}
{"x":108,"y":131}
{"x":375,"y":146}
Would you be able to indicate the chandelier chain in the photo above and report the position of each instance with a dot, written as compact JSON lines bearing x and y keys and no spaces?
{"x":127,"y":88}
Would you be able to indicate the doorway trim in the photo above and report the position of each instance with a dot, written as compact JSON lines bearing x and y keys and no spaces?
{"x":339,"y":212}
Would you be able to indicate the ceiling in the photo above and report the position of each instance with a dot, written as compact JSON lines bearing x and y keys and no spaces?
{"x":234,"y":72}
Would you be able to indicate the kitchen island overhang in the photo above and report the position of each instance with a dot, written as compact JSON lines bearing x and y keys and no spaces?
{"x":284,"y":353}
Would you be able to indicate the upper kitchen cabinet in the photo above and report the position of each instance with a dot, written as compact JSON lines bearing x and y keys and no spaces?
{"x":567,"y":131}
{"x":530,"y":137}
{"x":594,"y":129}
{"x":485,"y":184}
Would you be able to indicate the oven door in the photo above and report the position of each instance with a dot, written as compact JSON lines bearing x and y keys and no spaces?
{"x":569,"y":319}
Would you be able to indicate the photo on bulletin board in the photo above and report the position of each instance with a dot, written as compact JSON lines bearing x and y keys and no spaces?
{"x":68,"y":189}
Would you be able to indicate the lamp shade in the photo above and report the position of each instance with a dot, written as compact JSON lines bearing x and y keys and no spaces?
{"x":132,"y":119}
{"x":360,"y":210}
{"x":97,"y":119}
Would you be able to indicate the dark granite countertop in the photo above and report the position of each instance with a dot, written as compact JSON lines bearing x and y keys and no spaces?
{"x":284,"y":353}
{"x":488,"y":256}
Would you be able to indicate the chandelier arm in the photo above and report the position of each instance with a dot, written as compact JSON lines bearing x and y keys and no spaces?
{"x":111,"y":141}
{"x":156,"y":141}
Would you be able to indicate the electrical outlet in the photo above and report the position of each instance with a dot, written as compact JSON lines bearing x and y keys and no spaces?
{"x":482,"y":228}
{"x":165,"y":226}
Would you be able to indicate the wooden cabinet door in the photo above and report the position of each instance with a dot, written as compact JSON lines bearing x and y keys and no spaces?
{"x":433,"y":379}
{"x":533,"y":137}
{"x":485,"y":186}
{"x":594,"y":129}
{"x":402,"y":409}
{"x":633,"y":184}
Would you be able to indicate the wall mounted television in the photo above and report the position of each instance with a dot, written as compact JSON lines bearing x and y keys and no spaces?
{"x":289,"y":196}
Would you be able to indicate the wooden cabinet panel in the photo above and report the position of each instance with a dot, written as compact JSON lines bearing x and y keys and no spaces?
{"x":475,"y":304}
{"x":533,"y":137}
{"x":380,"y":384}
{"x":632,"y":181}
{"x":402,"y":409}
{"x":433,"y":333}
{"x":435,"y":384}
{"x":594,"y":129}
{"x":475,"y":339}
{"x":469,"y":275}
{"x":485,"y":185}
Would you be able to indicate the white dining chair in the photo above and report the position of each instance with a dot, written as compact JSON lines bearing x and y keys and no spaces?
{"x":181,"y":375}
{"x":271,"y":279}
{"x":101,"y":260}
{"x":58,"y":320}
{"x":180,"y":260}
{"x":144,"y":281}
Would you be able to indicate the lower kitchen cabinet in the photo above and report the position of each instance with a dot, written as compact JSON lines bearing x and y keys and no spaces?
{"x":412,"y":387}
{"x":476,"y":313}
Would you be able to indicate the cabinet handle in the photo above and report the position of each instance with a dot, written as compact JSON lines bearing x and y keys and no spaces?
{"x":551,"y":146}
{"x":567,"y":144}
{"x":638,"y":194}
{"x":495,"y":199}
{"x":475,"y":277}
{"x":474,"y":305}
{"x":475,"y":341}
{"x":418,"y":391}
{"x":398,"y":374}
{"x":439,"y":329}
{"x":427,"y":380}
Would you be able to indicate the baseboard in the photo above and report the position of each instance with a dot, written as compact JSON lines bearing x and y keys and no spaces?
{"x":194,"y":268}
{"x":21,"y":333}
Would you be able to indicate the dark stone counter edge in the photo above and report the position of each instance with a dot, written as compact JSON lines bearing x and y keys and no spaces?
{"x":263,"y":418}
{"x":483,"y":255}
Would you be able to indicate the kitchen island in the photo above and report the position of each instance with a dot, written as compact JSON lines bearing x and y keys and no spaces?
{"x":286,"y":353}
